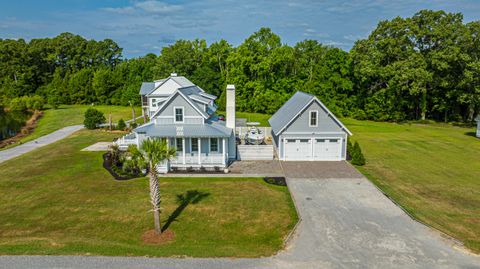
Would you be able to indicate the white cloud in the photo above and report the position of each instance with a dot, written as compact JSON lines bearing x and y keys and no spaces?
{"x":157,"y":7}
{"x":352,"y":37}
{"x":150,"y":6}
{"x":120,"y":10}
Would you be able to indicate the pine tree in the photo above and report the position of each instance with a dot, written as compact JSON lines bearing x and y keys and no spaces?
{"x":357,"y":158}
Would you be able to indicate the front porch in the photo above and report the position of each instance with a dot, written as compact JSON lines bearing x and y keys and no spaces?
{"x":197,"y":153}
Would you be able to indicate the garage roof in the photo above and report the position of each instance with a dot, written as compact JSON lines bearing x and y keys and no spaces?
{"x":293,"y":108}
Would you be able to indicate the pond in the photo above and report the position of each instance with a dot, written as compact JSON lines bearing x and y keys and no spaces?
{"x":11,"y":122}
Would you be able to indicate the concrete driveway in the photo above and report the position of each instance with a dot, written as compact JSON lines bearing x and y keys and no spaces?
{"x":346,"y":223}
{"x":349,"y":223}
{"x":39,"y":142}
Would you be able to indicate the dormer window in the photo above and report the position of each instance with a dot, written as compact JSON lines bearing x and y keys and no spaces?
{"x":313,"y":119}
{"x":178,"y":114}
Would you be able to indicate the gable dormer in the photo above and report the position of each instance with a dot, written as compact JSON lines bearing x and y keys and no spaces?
{"x":179,"y":109}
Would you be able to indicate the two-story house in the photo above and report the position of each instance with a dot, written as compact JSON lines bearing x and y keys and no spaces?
{"x":184,"y":115}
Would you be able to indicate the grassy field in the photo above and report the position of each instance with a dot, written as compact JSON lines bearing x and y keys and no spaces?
{"x":255,"y":117}
{"x":66,"y":115}
{"x":431,"y":170}
{"x":59,"y":200}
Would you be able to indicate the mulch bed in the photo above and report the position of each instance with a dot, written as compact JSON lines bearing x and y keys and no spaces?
{"x":108,"y":166}
{"x":280,"y":181}
{"x":152,"y":238}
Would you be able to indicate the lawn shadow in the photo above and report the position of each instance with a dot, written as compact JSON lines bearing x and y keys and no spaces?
{"x":189,"y":197}
{"x":471,"y":134}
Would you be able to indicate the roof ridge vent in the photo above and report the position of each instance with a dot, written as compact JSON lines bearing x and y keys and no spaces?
{"x":174,"y":75}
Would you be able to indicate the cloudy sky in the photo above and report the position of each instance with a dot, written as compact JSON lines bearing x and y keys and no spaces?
{"x":143,"y":26}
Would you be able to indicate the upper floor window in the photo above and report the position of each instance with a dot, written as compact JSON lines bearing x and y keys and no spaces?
{"x":154,"y":102}
{"x":313,"y":118}
{"x":178,"y":114}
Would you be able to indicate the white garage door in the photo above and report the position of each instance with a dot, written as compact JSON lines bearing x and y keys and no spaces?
{"x":298,"y":149}
{"x":327,"y":149}
{"x":323,"y":149}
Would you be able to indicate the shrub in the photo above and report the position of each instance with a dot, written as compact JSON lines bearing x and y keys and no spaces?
{"x":35,"y":102}
{"x":121,"y":125}
{"x":54,"y":101}
{"x":357,"y":155}
{"x":18,"y":104}
{"x":349,"y":149}
{"x":93,"y":117}
{"x":23,"y":103}
{"x":133,"y":125}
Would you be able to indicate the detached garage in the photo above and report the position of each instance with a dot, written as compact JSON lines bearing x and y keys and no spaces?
{"x":303,"y":129}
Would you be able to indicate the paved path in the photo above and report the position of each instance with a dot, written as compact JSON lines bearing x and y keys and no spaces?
{"x":346,"y":223}
{"x":39,"y":142}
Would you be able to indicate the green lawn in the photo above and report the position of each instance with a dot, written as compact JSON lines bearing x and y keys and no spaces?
{"x":255,"y":117}
{"x":66,"y":115}
{"x":433,"y":171}
{"x":59,"y":200}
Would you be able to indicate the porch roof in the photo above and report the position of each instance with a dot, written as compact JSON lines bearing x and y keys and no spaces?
{"x":185,"y":130}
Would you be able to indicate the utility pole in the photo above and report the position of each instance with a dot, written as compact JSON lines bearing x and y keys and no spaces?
{"x":110,"y":121}
{"x":133,"y":112}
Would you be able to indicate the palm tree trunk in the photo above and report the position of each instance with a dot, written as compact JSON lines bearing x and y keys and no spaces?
{"x":155,"y":197}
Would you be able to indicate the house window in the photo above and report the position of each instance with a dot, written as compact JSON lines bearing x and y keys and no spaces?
{"x":214,"y":144}
{"x":313,"y":118}
{"x":154,"y":102}
{"x":178,"y":114}
{"x":179,"y":144}
{"x":194,"y":144}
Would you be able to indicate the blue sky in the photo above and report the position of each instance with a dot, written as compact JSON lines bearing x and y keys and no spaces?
{"x":143,"y":26}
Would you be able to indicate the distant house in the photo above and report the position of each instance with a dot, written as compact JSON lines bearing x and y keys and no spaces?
{"x":184,"y":115}
{"x":303,"y":129}
{"x":478,"y":126}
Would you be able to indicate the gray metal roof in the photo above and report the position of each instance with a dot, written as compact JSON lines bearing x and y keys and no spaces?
{"x":147,"y":87}
{"x":182,"y":81}
{"x":210,"y":96}
{"x":292,"y":108}
{"x":212,"y":129}
{"x":289,"y":110}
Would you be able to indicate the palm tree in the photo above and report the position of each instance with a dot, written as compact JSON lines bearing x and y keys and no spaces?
{"x":152,"y":153}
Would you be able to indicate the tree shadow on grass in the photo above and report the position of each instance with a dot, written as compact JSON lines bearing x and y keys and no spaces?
{"x":189,"y":197}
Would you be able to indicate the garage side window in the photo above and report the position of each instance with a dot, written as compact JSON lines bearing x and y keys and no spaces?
{"x":313,"y":118}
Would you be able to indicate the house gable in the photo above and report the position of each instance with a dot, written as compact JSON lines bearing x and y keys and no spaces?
{"x":326,"y":123}
{"x":166,"y":88}
{"x":190,"y":110}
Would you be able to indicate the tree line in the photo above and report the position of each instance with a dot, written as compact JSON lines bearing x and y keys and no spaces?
{"x":423,"y":67}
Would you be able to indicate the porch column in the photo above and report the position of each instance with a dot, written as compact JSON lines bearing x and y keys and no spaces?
{"x":199,"y":150}
{"x":223,"y":151}
{"x":183,"y":149}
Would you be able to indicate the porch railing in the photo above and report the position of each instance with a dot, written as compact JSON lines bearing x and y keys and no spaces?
{"x":192,"y":159}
